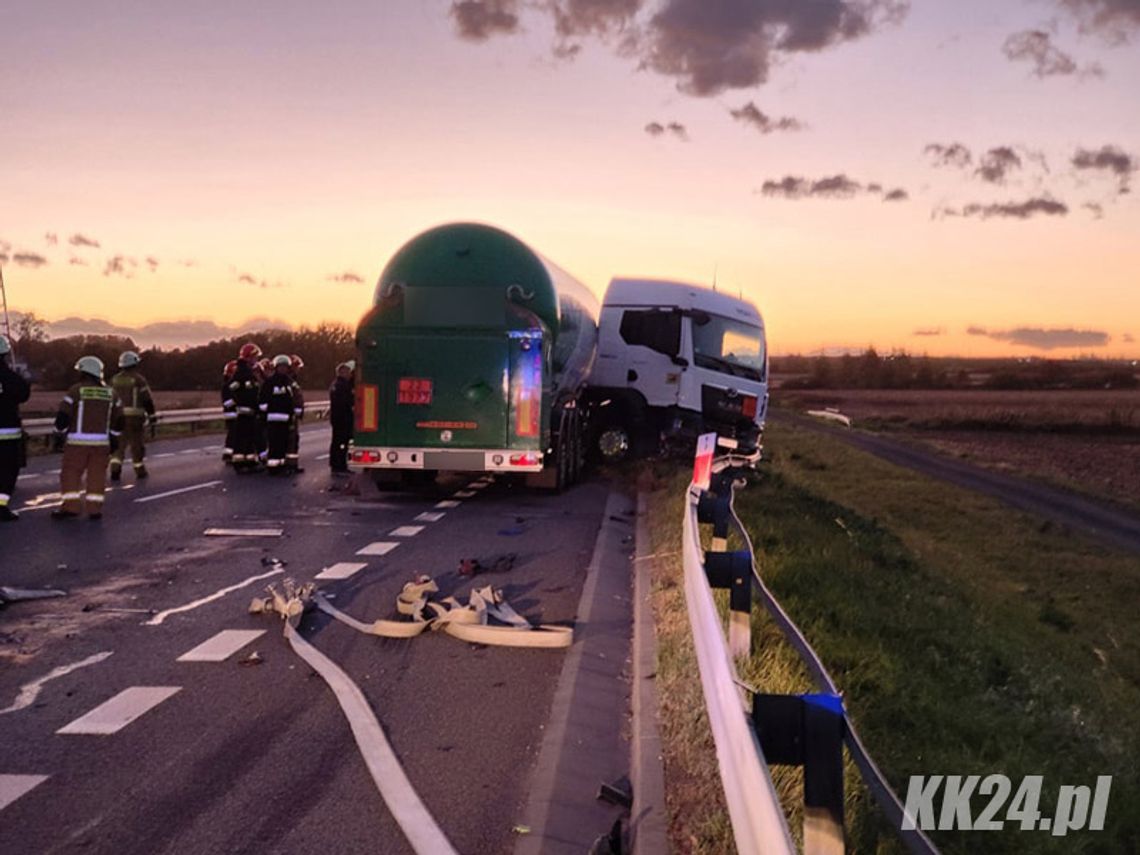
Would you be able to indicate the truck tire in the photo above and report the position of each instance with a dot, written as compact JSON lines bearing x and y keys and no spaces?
{"x":613,"y":442}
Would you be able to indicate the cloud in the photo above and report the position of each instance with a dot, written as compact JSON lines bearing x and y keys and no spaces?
{"x":247,"y":279}
{"x":346,"y":278}
{"x":997,"y":163}
{"x":831,"y":187}
{"x":1114,"y":20}
{"x":1045,"y":339}
{"x":1128,"y":339}
{"x":1009,"y":210}
{"x":478,"y":20}
{"x":74,"y":261}
{"x":598,"y":17}
{"x":250,"y":279}
{"x":165,"y":334}
{"x":1096,"y":208}
{"x":29,"y":259}
{"x":1036,"y":46}
{"x":188,"y":262}
{"x":51,"y":238}
{"x":656,"y":129}
{"x":120,"y":265}
{"x":152,"y":263}
{"x":954,"y":154}
{"x":83,"y":240}
{"x":929,"y":331}
{"x":1107,"y":158}
{"x":750,"y":114}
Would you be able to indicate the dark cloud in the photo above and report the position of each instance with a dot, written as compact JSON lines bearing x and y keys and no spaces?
{"x":1009,"y":210}
{"x":656,"y":129}
{"x":752,"y":115}
{"x":1107,"y":158}
{"x":51,"y":238}
{"x":152,"y":263}
{"x":831,"y":187}
{"x":83,"y":240}
{"x":120,"y":265}
{"x":1036,"y":47}
{"x":1045,"y":339}
{"x":929,"y":332}
{"x":997,"y":163}
{"x":29,"y":259}
{"x":1115,"y":20}
{"x":346,"y":278}
{"x":954,"y":154}
{"x":247,"y":279}
{"x":478,"y":20}
{"x":78,"y":262}
{"x":591,"y":17}
{"x":896,"y":195}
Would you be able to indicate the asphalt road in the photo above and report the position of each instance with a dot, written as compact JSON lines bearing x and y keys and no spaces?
{"x":232,"y":757}
{"x":1098,"y":520}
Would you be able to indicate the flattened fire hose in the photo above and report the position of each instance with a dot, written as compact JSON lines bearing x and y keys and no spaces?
{"x":467,"y":623}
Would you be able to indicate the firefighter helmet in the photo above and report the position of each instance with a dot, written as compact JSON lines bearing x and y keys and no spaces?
{"x":230,"y":369}
{"x":282,"y":359}
{"x":249,"y":352}
{"x":92,"y":365}
{"x":129,"y":359}
{"x":297,"y":362}
{"x":265,"y":366}
{"x":5,"y":347}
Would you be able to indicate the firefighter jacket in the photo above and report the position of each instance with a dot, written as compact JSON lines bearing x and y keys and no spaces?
{"x":90,"y":413}
{"x":341,"y":402}
{"x":14,"y":390}
{"x":132,"y":393}
{"x":229,"y":407}
{"x":244,"y":390}
{"x":281,"y":399}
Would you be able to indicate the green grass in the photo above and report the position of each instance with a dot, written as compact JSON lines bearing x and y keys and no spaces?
{"x":967,"y":638}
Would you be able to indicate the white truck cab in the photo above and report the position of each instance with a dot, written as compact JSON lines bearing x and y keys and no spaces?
{"x":676,"y":360}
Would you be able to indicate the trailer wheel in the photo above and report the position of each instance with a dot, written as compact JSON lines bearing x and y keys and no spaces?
{"x":614,"y":442}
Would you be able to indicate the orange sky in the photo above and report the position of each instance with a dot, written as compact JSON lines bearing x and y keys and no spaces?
{"x":275,"y":148}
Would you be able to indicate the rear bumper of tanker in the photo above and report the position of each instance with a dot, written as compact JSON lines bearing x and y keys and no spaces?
{"x":446,"y":459}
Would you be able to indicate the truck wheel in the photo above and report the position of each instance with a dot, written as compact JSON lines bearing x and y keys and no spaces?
{"x":614,"y":443}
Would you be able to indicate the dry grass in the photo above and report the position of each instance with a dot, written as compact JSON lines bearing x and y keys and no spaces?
{"x":45,"y":403}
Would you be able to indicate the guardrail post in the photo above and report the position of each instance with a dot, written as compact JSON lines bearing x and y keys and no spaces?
{"x":733,"y":570}
{"x":807,"y":730}
{"x":715,"y":508}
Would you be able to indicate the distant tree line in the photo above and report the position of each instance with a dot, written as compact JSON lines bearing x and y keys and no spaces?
{"x":51,"y":361}
{"x":901,"y":370}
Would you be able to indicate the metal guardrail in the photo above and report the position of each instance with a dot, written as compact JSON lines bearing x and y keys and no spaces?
{"x":44,"y":427}
{"x":754,"y":825}
{"x":758,"y":823}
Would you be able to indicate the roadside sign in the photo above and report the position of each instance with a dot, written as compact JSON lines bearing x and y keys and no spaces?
{"x":702,"y":464}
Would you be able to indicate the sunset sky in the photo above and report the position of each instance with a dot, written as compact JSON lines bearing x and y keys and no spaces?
{"x":941,"y":177}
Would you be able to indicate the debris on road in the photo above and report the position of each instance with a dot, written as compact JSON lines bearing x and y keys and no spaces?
{"x":17,"y":595}
{"x":474,"y":567}
{"x":253,"y":659}
{"x":620,"y":792}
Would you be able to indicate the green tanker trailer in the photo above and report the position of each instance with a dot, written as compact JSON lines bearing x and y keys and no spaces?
{"x":473,"y":357}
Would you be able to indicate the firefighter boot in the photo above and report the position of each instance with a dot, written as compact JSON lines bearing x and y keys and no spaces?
{"x":116,"y":470}
{"x":140,"y":471}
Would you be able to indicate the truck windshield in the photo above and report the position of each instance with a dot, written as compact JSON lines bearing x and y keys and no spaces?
{"x":729,"y":346}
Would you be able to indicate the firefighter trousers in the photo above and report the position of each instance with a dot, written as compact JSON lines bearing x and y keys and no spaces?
{"x":338,"y":450}
{"x":277,"y":437}
{"x":80,"y":460}
{"x":246,"y":429}
{"x":10,"y":453}
{"x":133,"y":440}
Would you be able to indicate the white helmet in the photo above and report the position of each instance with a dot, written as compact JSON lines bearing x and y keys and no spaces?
{"x":282,"y":359}
{"x":129,"y":359}
{"x":92,"y":365}
{"x":5,"y":347}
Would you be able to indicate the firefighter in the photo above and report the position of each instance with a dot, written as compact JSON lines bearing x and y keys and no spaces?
{"x":90,"y":417}
{"x":229,"y":410}
{"x":244,"y":391}
{"x":341,"y":402}
{"x":133,"y":395}
{"x":293,"y":458}
{"x":14,"y":390}
{"x":279,"y":399}
{"x":263,"y":371}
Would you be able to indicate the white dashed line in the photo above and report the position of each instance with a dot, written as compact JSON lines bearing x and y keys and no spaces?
{"x":164,"y":454}
{"x":341,"y":570}
{"x":244,"y":532}
{"x":190,"y":451}
{"x":463,"y":494}
{"x":448,"y":503}
{"x":406,"y":531}
{"x":380,"y":547}
{"x":170,"y":493}
{"x":476,"y":485}
{"x":14,"y":786}
{"x":222,"y":646}
{"x":115,"y":714}
{"x":30,"y":691}
{"x":161,"y":616}
{"x":322,"y":457}
{"x":430,"y":516}
{"x":28,"y":475}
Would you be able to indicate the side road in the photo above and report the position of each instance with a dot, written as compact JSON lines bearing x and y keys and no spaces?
{"x":1101,"y":521}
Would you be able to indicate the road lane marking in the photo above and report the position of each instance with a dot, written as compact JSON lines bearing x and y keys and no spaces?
{"x":341,"y":570}
{"x":463,"y":494}
{"x":322,"y":457}
{"x":244,"y":532}
{"x":113,"y":715}
{"x":30,"y":691}
{"x":222,"y":646}
{"x":14,"y":786}
{"x":27,"y":476}
{"x":406,"y":531}
{"x":380,"y":547}
{"x":448,"y":503}
{"x":478,"y":485}
{"x":430,"y":516}
{"x":217,"y":595}
{"x":164,"y":454}
{"x":190,"y":451}
{"x":178,"y":492}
